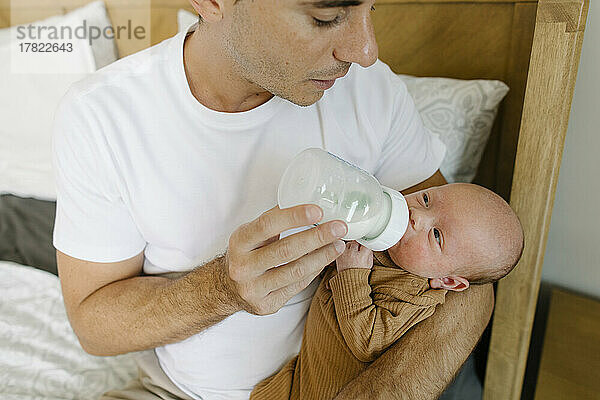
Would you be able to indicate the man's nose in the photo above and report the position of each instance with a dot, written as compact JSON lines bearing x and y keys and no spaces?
{"x":358,"y":42}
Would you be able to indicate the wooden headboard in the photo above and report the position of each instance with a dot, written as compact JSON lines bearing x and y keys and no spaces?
{"x":466,"y":40}
{"x":533,"y":46}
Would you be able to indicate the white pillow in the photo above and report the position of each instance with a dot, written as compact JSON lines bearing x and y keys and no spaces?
{"x":185,"y":19}
{"x":461,"y":113}
{"x":104,"y":48}
{"x":28,"y":100}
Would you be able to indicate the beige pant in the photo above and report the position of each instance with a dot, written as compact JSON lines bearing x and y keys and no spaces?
{"x":151,"y":384}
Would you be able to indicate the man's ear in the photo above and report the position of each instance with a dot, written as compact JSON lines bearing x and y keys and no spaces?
{"x":210,"y":10}
{"x":454,"y":283}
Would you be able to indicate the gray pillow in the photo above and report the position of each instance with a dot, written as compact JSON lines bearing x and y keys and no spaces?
{"x":26,"y":227}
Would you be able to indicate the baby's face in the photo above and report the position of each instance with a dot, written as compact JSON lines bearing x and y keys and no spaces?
{"x":449,"y":226}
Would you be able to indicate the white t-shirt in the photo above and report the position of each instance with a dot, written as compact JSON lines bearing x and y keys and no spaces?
{"x":143,"y":166}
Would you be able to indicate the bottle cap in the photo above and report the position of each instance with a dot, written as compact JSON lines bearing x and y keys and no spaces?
{"x":396,"y":226}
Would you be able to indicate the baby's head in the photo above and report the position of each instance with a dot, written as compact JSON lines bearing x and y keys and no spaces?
{"x":459,"y":234}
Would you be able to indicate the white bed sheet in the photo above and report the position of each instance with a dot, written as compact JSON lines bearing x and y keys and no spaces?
{"x":40,"y":357}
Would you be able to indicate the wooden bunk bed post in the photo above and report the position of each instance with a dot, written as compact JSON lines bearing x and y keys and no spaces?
{"x":551,"y":79}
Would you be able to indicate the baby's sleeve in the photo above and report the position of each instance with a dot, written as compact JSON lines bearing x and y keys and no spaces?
{"x":369,"y":327}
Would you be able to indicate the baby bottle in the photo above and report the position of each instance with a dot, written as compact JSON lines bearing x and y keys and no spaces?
{"x":376,"y":216}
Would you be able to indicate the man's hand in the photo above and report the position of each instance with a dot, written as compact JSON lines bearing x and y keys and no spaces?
{"x":253,"y":263}
{"x":355,"y":256}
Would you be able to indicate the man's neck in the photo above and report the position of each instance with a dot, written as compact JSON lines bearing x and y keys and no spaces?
{"x":212,"y":79}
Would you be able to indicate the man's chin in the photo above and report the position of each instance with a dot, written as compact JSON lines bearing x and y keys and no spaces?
{"x":306,"y":100}
{"x":306,"y":94}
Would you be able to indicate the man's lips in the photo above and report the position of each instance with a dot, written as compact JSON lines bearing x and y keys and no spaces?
{"x":327,"y":83}
{"x":323,"y":84}
{"x":332,"y":79}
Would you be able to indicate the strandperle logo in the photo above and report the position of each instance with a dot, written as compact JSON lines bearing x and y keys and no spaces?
{"x":83,"y":31}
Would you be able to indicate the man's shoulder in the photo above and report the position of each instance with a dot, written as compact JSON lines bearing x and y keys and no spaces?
{"x":123,"y":77}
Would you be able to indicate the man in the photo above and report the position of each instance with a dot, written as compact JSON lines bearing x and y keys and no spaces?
{"x":169,"y":157}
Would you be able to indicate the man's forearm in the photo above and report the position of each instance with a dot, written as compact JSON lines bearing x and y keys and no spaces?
{"x":422,"y":363}
{"x":145,"y":312}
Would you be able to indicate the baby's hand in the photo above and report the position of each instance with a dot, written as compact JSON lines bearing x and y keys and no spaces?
{"x":355,"y":256}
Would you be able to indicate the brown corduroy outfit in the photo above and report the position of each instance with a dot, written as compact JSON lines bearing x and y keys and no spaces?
{"x":354,"y":316}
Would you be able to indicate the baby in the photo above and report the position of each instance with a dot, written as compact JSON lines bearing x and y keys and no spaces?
{"x":458,"y":235}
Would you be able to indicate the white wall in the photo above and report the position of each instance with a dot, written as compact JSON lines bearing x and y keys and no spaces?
{"x":572,"y":257}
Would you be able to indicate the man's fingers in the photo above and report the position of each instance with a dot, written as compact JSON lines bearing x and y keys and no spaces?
{"x":273,"y":222}
{"x":299,"y":244}
{"x":281,"y":296}
{"x":254,"y":249}
{"x":268,"y":241}
{"x":310,"y":265}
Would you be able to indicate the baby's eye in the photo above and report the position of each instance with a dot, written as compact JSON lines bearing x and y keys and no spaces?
{"x":436,"y":234}
{"x":426,"y":199}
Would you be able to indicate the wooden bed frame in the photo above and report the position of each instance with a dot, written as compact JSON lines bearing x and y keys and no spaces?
{"x":533,"y":46}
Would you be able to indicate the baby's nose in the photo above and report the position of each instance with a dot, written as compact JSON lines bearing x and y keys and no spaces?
{"x":419,"y":220}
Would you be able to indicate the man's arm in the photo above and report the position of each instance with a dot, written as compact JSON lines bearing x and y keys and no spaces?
{"x":424,"y":361}
{"x":113,"y":310}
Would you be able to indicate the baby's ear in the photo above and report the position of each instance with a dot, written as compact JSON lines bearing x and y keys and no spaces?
{"x":454,"y":283}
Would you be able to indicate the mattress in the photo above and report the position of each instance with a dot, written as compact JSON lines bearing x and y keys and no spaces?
{"x":40,"y":356}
